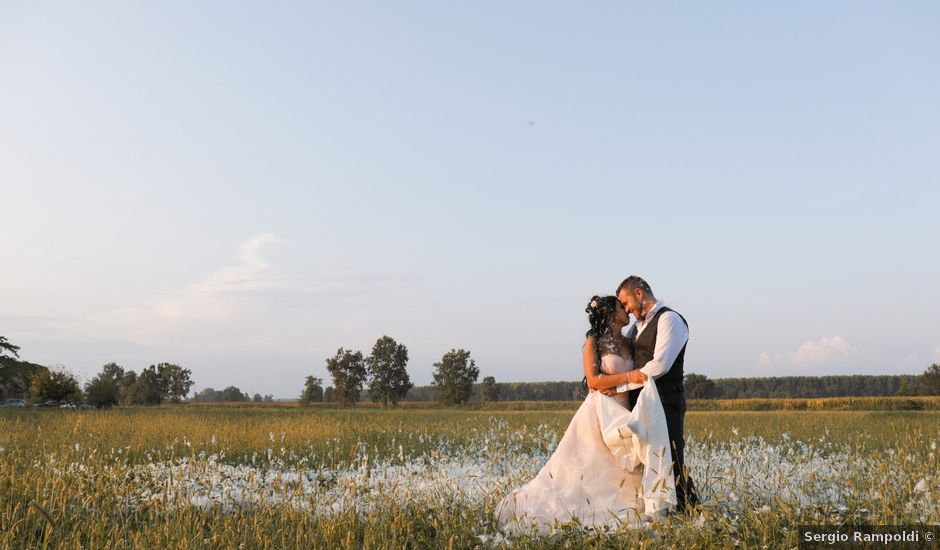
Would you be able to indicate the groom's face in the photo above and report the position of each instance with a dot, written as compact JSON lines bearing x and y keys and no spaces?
{"x":632,"y":301}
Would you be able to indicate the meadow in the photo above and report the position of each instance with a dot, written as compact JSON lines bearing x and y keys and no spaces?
{"x":425,"y":477}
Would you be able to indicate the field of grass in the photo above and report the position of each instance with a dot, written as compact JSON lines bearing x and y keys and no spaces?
{"x":892,"y":403}
{"x":286,"y":477}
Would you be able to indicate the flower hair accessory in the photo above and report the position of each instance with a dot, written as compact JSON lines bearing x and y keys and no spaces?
{"x":593,"y":304}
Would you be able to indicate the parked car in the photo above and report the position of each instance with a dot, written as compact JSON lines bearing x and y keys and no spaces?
{"x":68,"y":405}
{"x":15,"y":403}
{"x":49,"y":405}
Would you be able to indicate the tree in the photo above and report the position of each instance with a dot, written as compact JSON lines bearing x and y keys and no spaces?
{"x":208,"y":395}
{"x":256,"y":398}
{"x":911,"y":385}
{"x":145,"y":390}
{"x":269,"y":398}
{"x":233,"y":394}
{"x":454,"y":377}
{"x":930,"y":380}
{"x":16,"y":377}
{"x":126,"y":381}
{"x":55,"y":384}
{"x":8,"y":349}
{"x":388,"y":379}
{"x":489,"y":391}
{"x":104,"y":390}
{"x":313,"y":391}
{"x":229,"y":394}
{"x":113,"y":371}
{"x":328,"y":394}
{"x":348,"y":370}
{"x":698,"y":386}
{"x":174,"y":381}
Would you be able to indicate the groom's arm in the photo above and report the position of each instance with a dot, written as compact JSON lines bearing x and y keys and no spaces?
{"x":614,"y":391}
{"x":671,"y":336}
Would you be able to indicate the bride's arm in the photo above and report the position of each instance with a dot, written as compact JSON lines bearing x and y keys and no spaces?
{"x":592,"y":370}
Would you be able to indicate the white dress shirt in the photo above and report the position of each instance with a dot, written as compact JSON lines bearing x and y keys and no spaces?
{"x":671,"y":336}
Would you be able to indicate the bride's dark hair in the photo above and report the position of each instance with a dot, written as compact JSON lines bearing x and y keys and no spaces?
{"x":599,"y":309}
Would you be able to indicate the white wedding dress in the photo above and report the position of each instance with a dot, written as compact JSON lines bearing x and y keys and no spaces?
{"x":612,"y":468}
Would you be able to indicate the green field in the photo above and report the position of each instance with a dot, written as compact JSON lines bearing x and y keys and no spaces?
{"x":285,"y":477}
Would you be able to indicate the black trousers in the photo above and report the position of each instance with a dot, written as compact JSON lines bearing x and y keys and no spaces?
{"x":674,"y":405}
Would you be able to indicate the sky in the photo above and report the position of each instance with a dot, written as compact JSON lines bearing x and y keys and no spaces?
{"x":244,"y":188}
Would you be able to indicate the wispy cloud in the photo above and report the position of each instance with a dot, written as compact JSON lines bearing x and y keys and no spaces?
{"x":824,"y":351}
{"x":251,"y":305}
{"x":212,"y":300}
{"x":253,"y":273}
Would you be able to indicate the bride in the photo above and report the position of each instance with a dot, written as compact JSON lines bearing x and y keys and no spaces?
{"x":605,"y":472}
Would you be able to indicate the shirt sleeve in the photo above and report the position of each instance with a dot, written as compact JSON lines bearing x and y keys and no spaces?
{"x":627,"y":387}
{"x":671,"y":336}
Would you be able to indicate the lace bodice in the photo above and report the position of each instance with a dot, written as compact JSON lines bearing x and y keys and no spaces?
{"x":613,"y":364}
{"x":607,"y":344}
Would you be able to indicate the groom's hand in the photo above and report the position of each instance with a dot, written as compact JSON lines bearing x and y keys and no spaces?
{"x":636,"y":377}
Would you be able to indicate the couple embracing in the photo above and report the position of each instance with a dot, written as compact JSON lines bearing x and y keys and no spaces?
{"x":621,"y":461}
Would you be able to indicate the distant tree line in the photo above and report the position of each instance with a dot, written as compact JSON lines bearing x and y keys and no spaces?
{"x":827,"y":386}
{"x":384,"y":373}
{"x":163,"y":382}
{"x":698,"y":386}
{"x":490,"y":390}
{"x":230,"y":394}
{"x":114,"y":385}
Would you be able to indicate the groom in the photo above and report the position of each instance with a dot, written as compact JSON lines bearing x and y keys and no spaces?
{"x":659,"y":338}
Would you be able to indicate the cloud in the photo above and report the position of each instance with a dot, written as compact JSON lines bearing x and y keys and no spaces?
{"x":253,"y":273}
{"x":213,"y":300}
{"x":824,"y":351}
{"x":251,"y":306}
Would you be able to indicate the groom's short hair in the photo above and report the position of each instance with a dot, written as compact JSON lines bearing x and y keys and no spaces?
{"x":634,"y":282}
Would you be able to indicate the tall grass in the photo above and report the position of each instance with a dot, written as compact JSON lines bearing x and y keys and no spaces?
{"x":292,"y":477}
